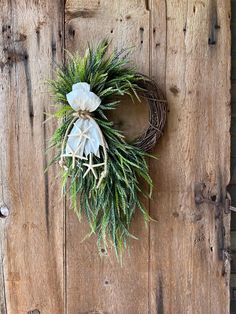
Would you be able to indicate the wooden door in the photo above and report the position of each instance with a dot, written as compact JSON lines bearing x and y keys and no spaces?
{"x":181,"y":263}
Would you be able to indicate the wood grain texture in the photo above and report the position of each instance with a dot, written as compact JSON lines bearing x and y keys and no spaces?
{"x":32,"y":236}
{"x":187,"y":266}
{"x":101,"y":285}
{"x":189,"y":261}
{"x":180,"y":264}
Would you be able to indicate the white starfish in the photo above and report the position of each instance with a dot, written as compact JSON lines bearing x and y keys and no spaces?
{"x":81,"y":133}
{"x":91,"y":167}
{"x":73,"y":154}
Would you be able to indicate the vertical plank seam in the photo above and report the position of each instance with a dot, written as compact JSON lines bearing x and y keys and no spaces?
{"x":2,"y":234}
{"x":166,"y":46}
{"x":148,"y":4}
{"x":3,"y":279}
{"x":65,"y":257}
{"x":150,"y":9}
{"x":185,"y":62}
{"x":64,"y":201}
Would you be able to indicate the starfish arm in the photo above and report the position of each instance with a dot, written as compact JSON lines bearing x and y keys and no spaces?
{"x":76,"y":126}
{"x":81,"y":157}
{"x":86,"y":136}
{"x":66,"y":155}
{"x":79,"y":135}
{"x":86,"y":130}
{"x":74,"y":135}
{"x":94,"y":173}
{"x":90,"y":167}
{"x":79,"y":129}
{"x":98,"y":165}
{"x":86,"y":172}
{"x":79,"y":146}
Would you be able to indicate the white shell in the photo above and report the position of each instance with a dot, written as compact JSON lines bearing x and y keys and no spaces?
{"x":81,"y":98}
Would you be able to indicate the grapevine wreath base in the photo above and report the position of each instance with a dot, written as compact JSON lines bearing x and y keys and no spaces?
{"x":97,"y":163}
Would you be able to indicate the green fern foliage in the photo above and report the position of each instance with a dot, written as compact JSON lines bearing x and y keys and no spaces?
{"x":109,"y":208}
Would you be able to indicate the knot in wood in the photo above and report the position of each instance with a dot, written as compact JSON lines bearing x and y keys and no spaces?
{"x":33,"y":312}
{"x":4,"y":212}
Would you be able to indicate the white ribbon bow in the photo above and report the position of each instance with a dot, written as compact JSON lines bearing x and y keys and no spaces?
{"x":86,"y":136}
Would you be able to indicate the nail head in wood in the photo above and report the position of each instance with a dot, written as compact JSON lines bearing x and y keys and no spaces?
{"x":232,"y":208}
{"x":34,"y":312}
{"x":198,"y":199}
{"x":4,"y":212}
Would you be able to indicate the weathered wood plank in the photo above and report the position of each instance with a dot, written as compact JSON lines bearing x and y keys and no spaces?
{"x":189,"y":244}
{"x":3,"y":305}
{"x":5,"y":9}
{"x":31,"y":40}
{"x":94,"y":284}
{"x":180,"y":264}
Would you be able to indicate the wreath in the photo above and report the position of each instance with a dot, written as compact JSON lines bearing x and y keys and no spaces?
{"x":97,"y":162}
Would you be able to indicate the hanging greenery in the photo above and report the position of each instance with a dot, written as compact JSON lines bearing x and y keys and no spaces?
{"x":97,"y":163}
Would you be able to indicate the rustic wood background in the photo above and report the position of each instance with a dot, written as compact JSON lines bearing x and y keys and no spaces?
{"x":181,"y":263}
